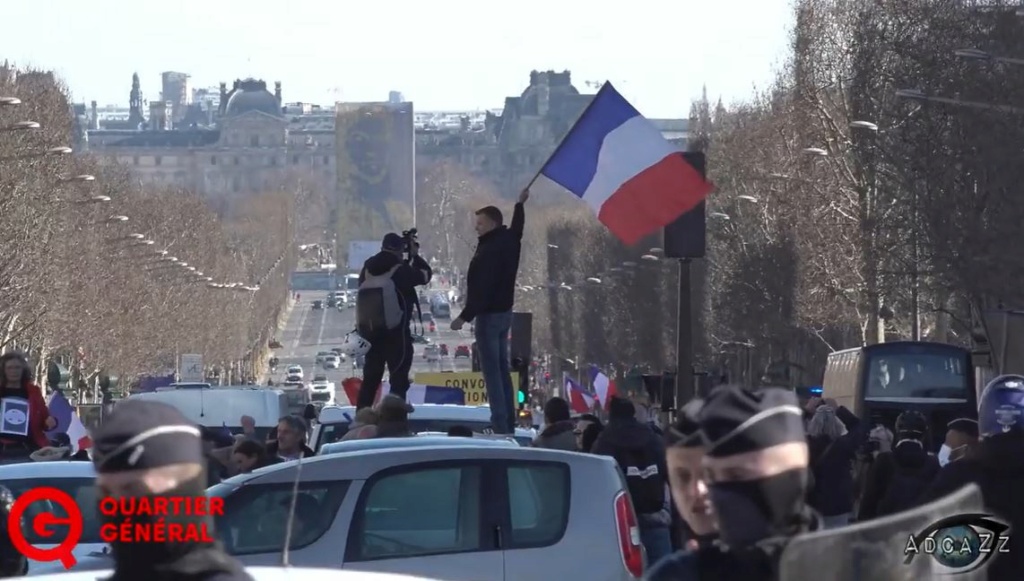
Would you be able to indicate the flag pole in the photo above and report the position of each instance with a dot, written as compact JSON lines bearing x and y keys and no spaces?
{"x":558,"y":147}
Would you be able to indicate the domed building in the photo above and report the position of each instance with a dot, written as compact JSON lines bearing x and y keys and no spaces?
{"x":251,"y":95}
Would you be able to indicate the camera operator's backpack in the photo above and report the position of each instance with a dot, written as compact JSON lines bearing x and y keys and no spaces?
{"x":378,"y":305}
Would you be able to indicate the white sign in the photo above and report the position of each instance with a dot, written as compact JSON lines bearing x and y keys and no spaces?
{"x":190,"y":369}
{"x":359,"y":251}
{"x":14,"y":416}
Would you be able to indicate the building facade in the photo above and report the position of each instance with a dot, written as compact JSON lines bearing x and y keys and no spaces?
{"x":229,"y":143}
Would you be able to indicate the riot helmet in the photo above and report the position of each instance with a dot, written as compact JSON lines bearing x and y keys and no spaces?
{"x":911,"y":425}
{"x":1001,"y":409}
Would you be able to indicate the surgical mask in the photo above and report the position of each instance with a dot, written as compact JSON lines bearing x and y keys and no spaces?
{"x":945,"y":455}
{"x":749,"y":511}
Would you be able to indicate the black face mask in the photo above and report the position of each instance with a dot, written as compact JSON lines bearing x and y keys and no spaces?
{"x":749,"y":511}
{"x":145,"y":557}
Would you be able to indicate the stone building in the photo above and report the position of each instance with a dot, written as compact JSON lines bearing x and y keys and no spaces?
{"x":253,"y":142}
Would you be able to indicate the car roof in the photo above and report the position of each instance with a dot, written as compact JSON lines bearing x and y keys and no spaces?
{"x":417,"y":442}
{"x":52,"y":469}
{"x":363,"y":464}
{"x":426,"y":411}
{"x":262,"y":574}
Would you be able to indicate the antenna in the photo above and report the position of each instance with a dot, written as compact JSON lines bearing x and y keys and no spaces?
{"x":291,"y":511}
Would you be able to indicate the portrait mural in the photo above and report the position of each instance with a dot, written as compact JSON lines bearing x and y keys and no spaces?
{"x":376,"y":162}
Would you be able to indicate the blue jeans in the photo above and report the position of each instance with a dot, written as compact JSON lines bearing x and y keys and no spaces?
{"x":657,"y":541}
{"x":491,"y":331}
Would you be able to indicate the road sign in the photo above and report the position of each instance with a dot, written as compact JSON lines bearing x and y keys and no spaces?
{"x":471,"y":383}
{"x":190,"y":369}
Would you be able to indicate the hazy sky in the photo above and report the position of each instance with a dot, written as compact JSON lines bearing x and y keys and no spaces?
{"x":442,"y":54}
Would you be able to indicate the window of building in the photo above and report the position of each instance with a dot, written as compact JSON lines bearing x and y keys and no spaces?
{"x":295,"y":160}
{"x":254,"y":141}
{"x":272,"y":160}
{"x":158,"y":160}
{"x":327,"y":160}
{"x":213,"y":160}
{"x":442,"y":517}
{"x":255,"y":517}
{"x":236,"y":160}
{"x":539,"y":503}
{"x":135,"y":160}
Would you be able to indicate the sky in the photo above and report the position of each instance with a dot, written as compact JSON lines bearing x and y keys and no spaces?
{"x":441,"y":54}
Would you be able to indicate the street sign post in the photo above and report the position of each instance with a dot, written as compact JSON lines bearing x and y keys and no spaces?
{"x":190,"y":369}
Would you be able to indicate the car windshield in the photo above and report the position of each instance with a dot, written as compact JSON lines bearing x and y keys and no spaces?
{"x":333,"y":432}
{"x":83,"y":490}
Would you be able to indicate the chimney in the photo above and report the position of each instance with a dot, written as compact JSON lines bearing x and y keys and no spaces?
{"x":543,"y":94}
{"x":223,"y":98}
{"x":94,"y":117}
{"x":277,"y":92}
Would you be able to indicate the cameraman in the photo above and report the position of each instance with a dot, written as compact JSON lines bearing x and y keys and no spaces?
{"x":388,"y":334}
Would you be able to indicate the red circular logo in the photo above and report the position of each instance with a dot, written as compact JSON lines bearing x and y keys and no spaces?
{"x":41,"y":526}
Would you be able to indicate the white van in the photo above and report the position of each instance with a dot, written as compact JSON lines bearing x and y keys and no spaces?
{"x":224,"y":406}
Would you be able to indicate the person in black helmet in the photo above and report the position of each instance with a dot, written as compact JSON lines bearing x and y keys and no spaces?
{"x":12,"y":562}
{"x":149,"y":450}
{"x":756,"y":466}
{"x":996,"y":465}
{"x":897,"y":479}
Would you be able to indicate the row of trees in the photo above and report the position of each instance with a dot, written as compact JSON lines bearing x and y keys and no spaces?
{"x":870,"y":193}
{"x":102,"y":274}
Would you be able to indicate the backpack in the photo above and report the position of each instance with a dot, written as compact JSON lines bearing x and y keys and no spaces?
{"x":643,"y":478}
{"x":905,"y":488}
{"x":378,"y":306}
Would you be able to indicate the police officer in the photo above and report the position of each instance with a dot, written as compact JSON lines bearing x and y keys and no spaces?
{"x":756,"y":464}
{"x":150,"y":450}
{"x":996,"y":466}
{"x":897,"y":479}
{"x":12,"y":562}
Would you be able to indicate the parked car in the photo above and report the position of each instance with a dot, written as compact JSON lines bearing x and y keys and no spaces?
{"x":295,"y":370}
{"x":428,"y":439}
{"x":333,"y":361}
{"x":99,"y":567}
{"x":322,"y":355}
{"x":356,"y":512}
{"x":461,"y":351}
{"x":317,"y":305}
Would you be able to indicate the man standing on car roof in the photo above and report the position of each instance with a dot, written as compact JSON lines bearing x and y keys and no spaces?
{"x":490,"y":296}
{"x":150,"y":450}
{"x":756,"y":466}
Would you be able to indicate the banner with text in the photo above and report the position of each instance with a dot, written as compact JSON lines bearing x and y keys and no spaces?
{"x":471,"y":383}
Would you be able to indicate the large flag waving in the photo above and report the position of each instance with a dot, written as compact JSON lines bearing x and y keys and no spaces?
{"x":604,"y":387}
{"x":417,"y":393}
{"x":618,"y":162}
{"x":68,"y":423}
{"x":580,"y":400}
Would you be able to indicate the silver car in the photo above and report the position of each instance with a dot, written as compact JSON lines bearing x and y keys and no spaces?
{"x":459,"y":513}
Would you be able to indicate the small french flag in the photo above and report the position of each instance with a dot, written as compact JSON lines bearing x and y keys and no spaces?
{"x":604,"y":387}
{"x":68,"y":423}
{"x":581,"y":401}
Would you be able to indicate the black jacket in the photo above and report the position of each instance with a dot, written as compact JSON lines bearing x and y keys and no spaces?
{"x":416,"y":272}
{"x":907,"y":458}
{"x":998,"y":469}
{"x":491,"y":278}
{"x":831,"y":462}
{"x":622,"y":435}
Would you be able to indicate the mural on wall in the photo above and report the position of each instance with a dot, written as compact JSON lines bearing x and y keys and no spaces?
{"x":376,"y":169}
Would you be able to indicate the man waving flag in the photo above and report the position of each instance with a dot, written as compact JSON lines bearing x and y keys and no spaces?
{"x":68,"y":423}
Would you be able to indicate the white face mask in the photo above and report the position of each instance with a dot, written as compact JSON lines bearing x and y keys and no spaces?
{"x":945,"y":454}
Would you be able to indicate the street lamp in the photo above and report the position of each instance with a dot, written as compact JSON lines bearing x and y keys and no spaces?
{"x":22,"y":126}
{"x":975,"y":54}
{"x":869,"y":126}
{"x":656,"y":250}
{"x":594,"y":280}
{"x":649,"y":257}
{"x":96,"y":199}
{"x":62,"y":150}
{"x":747,"y":198}
{"x":629,"y":264}
{"x":9,"y":101}
{"x":815,"y":151}
{"x":719,"y":216}
{"x":115,"y":219}
{"x":79,"y":178}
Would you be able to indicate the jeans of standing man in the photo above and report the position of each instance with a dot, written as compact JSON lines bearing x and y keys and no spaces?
{"x":491,"y":331}
{"x":395,"y":351}
{"x":657,"y":542}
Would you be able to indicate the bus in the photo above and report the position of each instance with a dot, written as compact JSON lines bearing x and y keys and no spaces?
{"x":878,"y":382}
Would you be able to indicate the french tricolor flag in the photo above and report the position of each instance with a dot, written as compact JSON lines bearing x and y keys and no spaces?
{"x":604,"y":387}
{"x":580,"y":400}
{"x":417,"y":394}
{"x":618,"y":162}
{"x":68,"y":423}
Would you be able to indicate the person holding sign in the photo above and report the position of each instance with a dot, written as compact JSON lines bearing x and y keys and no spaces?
{"x":24,"y":417}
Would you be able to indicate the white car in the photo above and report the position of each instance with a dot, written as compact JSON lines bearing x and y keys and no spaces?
{"x":435,"y":511}
{"x":322,"y":392}
{"x":322,"y":356}
{"x":295,"y":370}
{"x":78,"y":480}
{"x":257,"y":573}
{"x":332,"y":361}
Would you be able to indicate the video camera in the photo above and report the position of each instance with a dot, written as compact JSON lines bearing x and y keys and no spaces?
{"x":409,"y":241}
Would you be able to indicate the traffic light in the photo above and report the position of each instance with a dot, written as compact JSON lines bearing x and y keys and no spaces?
{"x":520,"y":366}
{"x":521,"y":398}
